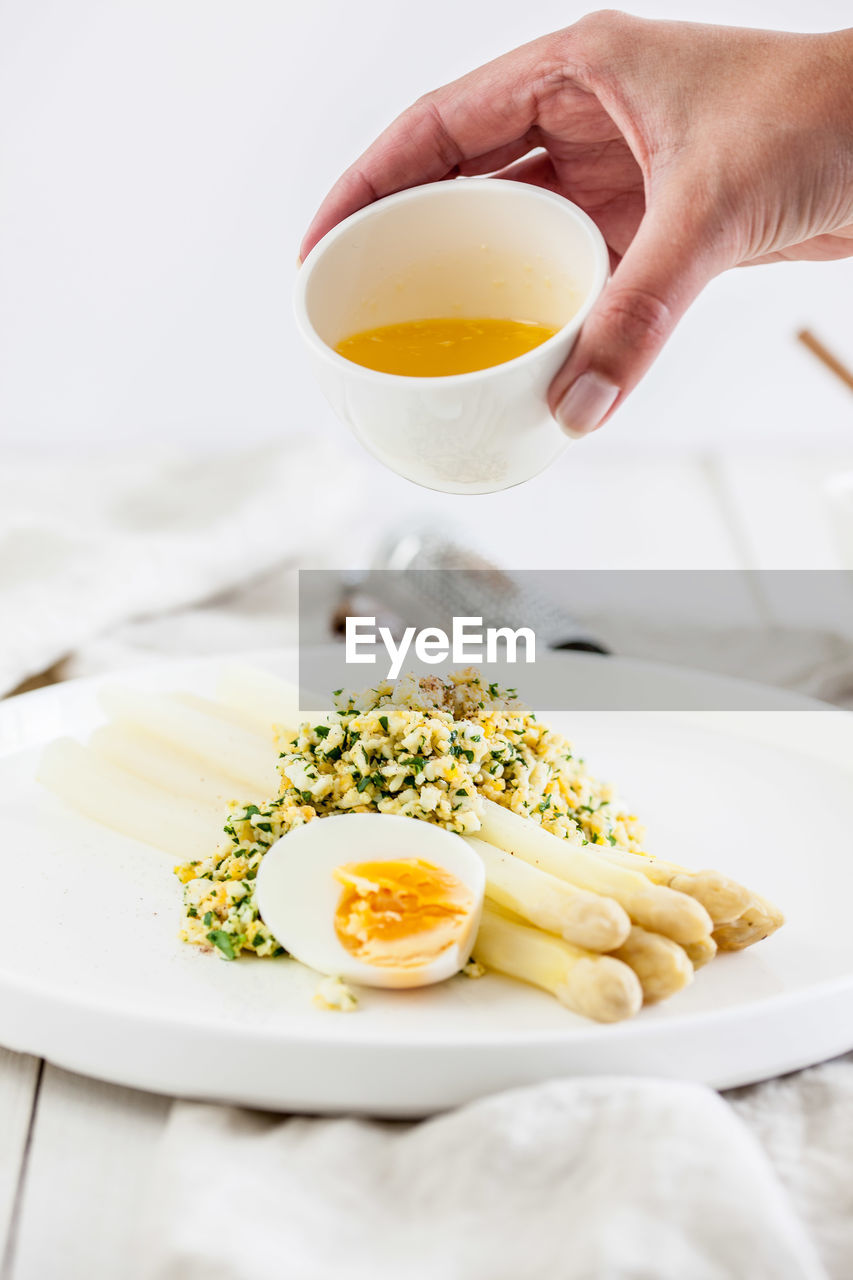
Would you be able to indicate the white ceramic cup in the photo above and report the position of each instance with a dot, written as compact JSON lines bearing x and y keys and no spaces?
{"x":466,"y":247}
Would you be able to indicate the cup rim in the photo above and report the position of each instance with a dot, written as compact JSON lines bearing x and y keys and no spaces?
{"x":426,"y":191}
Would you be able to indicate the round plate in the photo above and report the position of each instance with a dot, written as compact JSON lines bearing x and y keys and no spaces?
{"x":92,"y":975}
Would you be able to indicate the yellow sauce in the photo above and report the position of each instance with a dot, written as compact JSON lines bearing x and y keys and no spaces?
{"x":434,"y":348}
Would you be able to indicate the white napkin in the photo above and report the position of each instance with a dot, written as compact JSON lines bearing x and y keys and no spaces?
{"x":586,"y":1179}
{"x":86,"y":545}
{"x":804,"y":1122}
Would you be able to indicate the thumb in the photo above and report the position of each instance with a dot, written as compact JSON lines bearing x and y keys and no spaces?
{"x":660,"y":275}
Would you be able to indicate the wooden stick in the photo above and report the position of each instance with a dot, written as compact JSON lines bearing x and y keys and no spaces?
{"x":832,"y":362}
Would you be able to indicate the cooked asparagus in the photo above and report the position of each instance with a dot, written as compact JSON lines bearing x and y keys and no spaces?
{"x":586,"y":919}
{"x":760,"y":919}
{"x":723,"y":898}
{"x":137,"y":808}
{"x":157,"y":761}
{"x":661,"y":964}
{"x":593,"y":985}
{"x":655,"y":907}
{"x":236,"y":752}
{"x":701,"y":952}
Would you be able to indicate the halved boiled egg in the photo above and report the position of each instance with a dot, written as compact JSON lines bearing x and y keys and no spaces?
{"x":373,"y":898}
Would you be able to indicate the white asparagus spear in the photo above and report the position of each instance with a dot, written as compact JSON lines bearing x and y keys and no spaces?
{"x":723,"y":898}
{"x":266,"y":700}
{"x":661,"y":964}
{"x":222,"y":711}
{"x":760,"y":919}
{"x":586,"y":919}
{"x":653,"y":906}
{"x":593,"y":985}
{"x":700,"y":953}
{"x":240,"y":753}
{"x":119,"y":800}
{"x":158,"y":762}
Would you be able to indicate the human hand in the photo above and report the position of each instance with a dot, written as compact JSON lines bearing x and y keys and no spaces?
{"x":694,"y":148}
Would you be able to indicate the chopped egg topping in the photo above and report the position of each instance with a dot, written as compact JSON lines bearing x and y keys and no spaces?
{"x":429,"y":749}
{"x":334,"y":994}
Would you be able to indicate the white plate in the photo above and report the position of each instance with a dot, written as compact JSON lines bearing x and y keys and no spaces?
{"x":93,"y":978}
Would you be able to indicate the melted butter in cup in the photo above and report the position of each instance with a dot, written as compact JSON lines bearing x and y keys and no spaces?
{"x":439,"y":348}
{"x":434,"y":264}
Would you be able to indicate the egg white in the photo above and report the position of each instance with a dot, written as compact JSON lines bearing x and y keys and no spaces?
{"x":297,"y":894}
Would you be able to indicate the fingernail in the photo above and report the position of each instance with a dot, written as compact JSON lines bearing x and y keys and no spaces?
{"x":585,"y":404}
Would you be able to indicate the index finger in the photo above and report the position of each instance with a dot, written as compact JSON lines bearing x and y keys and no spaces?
{"x":486,"y":117}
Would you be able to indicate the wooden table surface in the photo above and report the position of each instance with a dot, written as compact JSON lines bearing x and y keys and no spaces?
{"x":76,"y":1152}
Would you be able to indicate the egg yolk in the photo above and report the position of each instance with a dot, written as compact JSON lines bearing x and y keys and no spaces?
{"x":402,"y":913}
{"x":437,"y":347}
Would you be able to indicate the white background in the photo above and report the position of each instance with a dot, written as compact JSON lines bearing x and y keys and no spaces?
{"x":160,"y":159}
